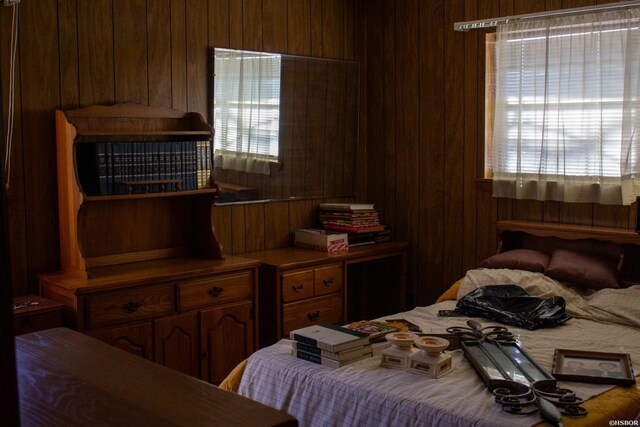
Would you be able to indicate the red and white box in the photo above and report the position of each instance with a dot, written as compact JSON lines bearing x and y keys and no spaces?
{"x":321,"y":240}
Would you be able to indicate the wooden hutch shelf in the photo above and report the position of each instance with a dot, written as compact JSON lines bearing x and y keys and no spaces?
{"x":129,"y":227}
{"x":144,"y":272}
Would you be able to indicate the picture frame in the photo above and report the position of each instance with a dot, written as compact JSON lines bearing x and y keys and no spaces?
{"x":593,"y":367}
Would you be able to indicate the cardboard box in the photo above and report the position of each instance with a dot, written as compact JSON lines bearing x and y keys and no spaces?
{"x":321,"y":240}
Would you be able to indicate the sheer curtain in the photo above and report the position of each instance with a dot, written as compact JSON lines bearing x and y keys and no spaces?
{"x":246,"y":110}
{"x":567,"y":109}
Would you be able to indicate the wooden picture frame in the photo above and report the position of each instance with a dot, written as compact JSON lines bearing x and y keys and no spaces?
{"x":593,"y":367}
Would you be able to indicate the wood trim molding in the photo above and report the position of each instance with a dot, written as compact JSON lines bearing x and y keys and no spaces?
{"x":571,"y":231}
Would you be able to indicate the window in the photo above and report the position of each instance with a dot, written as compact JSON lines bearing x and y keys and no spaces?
{"x":563,"y":95}
{"x":246,"y":110}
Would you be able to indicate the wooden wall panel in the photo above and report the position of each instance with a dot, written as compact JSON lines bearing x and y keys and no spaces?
{"x":130,"y":51}
{"x":470,"y":153}
{"x":68,"y":28}
{"x":456,"y":211}
{"x":274,"y":34}
{"x":316,"y":42}
{"x":407,"y":125}
{"x":432,"y":151}
{"x":276,"y":225}
{"x":149,"y":51}
{"x":454,"y":162}
{"x":219,"y":23}
{"x":421,"y":113}
{"x":386,"y":130}
{"x":376,"y":98}
{"x":159,"y":45}
{"x":95,"y":47}
{"x":178,"y":54}
{"x":235,"y":24}
{"x":197,"y":43}
{"x":299,"y":24}
{"x":254,"y":239}
{"x":16,"y":206}
{"x":39,"y":65}
{"x":252,"y":24}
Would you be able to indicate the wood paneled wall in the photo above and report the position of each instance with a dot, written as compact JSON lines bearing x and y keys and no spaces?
{"x":80,"y":52}
{"x":425,"y":137}
{"x":422,"y":113}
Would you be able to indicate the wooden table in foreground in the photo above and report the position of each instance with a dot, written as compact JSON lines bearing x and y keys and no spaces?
{"x":67,"y":378}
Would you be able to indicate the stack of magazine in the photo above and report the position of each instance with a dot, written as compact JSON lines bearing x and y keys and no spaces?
{"x":360,"y":220}
{"x":330,"y":345}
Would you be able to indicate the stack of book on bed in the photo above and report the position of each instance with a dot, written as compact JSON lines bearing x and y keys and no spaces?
{"x":359,"y":220}
{"x":330,"y":345}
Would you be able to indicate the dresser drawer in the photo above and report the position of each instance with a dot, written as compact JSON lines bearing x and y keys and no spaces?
{"x":207,"y":291}
{"x":327,"y":280}
{"x":297,"y":315}
{"x":297,"y":285}
{"x":127,"y":306}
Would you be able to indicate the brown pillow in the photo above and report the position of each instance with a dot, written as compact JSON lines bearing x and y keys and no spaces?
{"x":583,"y":270}
{"x":518,"y":259}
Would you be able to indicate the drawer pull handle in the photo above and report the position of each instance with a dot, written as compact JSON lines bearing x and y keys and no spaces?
{"x":297,"y":287}
{"x":215,"y":292}
{"x":328,"y":282}
{"x":131,"y":307}
{"x":313,"y":315}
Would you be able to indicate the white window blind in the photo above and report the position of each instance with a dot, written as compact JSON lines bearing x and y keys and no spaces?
{"x":566,"y":108}
{"x":246,"y":110}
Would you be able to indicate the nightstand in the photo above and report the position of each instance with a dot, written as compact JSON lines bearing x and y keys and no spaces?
{"x":32,"y":313}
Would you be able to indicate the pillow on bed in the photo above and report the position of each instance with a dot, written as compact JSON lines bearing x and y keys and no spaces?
{"x":518,"y":259}
{"x":583,"y":270}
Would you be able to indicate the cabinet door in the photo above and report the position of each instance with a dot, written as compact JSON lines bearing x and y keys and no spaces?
{"x":176,"y":343}
{"x":226,"y":339}
{"x":136,"y":339}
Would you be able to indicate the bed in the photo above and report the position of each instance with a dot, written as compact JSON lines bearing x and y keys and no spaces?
{"x":364,"y":393}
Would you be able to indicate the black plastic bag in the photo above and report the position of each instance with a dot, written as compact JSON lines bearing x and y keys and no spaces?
{"x":512,"y":305}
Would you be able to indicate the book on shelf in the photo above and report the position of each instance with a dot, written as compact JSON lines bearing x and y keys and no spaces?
{"x":346,"y":206}
{"x":375,"y":329}
{"x":324,"y":361}
{"x":348,"y":354}
{"x":327,"y":336}
{"x":123,"y":167}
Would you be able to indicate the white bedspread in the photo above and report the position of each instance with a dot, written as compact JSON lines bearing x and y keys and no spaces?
{"x":365,"y":394}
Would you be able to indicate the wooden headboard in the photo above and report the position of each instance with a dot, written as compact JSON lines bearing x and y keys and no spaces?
{"x":628,"y":240}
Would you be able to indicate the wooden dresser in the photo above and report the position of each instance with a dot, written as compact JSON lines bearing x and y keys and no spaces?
{"x":300,"y":287}
{"x":141,"y":266}
{"x":195,"y":316}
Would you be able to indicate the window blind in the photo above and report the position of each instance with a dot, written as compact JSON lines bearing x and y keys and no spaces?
{"x":566,"y":107}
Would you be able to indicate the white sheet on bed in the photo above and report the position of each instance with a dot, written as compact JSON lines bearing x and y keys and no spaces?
{"x":365,"y":394}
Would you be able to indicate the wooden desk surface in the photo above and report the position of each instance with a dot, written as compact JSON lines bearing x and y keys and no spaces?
{"x":292,"y":257}
{"x":67,"y":378}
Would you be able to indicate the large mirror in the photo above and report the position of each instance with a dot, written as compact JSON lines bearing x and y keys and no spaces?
{"x":285,"y":126}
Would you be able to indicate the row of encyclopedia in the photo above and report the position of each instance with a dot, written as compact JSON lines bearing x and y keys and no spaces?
{"x":107,"y":168}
